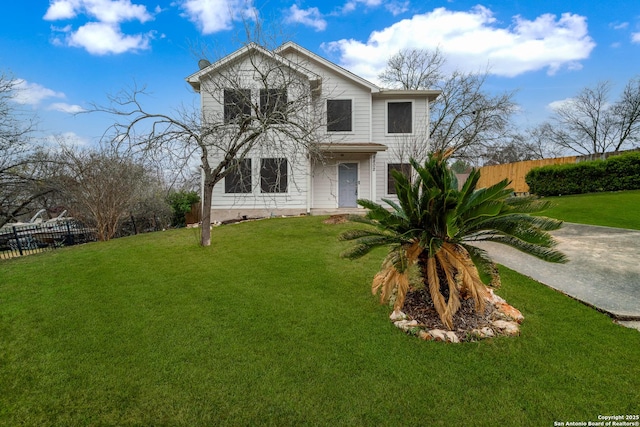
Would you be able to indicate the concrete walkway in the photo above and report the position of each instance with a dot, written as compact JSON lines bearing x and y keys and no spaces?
{"x":603,"y":269}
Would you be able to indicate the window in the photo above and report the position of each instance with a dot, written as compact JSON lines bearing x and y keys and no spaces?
{"x":273,"y":175}
{"x":239,"y":179}
{"x":404,"y":168}
{"x":237,"y":104}
{"x":273,"y":104}
{"x":339,"y":115}
{"x":399,"y":117}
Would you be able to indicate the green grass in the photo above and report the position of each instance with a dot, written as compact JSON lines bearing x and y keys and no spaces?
{"x":613,"y":209}
{"x":268,"y":326}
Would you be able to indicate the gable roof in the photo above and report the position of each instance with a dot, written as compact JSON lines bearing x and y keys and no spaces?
{"x":278,"y":55}
{"x":291,"y":46}
{"x":250,"y":49}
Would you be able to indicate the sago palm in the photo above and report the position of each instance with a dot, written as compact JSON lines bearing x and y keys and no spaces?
{"x":434,"y":225}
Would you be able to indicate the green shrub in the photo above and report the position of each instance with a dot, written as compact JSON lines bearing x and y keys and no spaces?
{"x":614,"y":174}
{"x":181,"y":202}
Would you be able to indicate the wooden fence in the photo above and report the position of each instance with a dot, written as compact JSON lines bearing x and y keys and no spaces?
{"x":195,"y":215}
{"x":516,"y":172}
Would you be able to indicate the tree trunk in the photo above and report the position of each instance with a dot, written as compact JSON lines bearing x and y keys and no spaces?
{"x":205,"y":234}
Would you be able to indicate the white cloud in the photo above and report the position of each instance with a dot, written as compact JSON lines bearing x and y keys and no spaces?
{"x":32,"y":93}
{"x":310,"y":17}
{"x":69,"y":139}
{"x":395,"y":7}
{"x":212,"y":16}
{"x":66,"y":108}
{"x":560,"y":104}
{"x":473,"y":40}
{"x":103,"y":36}
{"x":112,"y":11}
{"x":62,"y":9}
{"x":635,"y":37}
{"x":351,"y":5}
{"x":619,"y":25}
{"x":100,"y":38}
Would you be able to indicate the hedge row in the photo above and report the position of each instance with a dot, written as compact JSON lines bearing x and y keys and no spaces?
{"x":614,"y":174}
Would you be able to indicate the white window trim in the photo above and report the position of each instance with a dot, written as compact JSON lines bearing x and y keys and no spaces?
{"x":386,"y":177}
{"x":353,"y":114}
{"x":238,"y":195}
{"x":386,"y":117}
{"x":289,"y":171}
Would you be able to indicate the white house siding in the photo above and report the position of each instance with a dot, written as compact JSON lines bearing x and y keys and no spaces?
{"x":336,"y":86}
{"x":257,"y":204}
{"x":399,"y":146}
{"x":325,"y":179}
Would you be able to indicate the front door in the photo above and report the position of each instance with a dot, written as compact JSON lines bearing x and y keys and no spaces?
{"x":347,"y":185}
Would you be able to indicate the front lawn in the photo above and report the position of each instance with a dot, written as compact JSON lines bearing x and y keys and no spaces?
{"x":612,"y":209}
{"x":268,"y":326}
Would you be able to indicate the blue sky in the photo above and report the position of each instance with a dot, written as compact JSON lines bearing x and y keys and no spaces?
{"x":67,"y":54}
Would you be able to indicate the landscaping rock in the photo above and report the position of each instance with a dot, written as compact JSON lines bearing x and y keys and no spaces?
{"x":397,"y":315}
{"x":493,"y":298}
{"x":420,"y":318}
{"x":406,"y":325}
{"x":506,"y":327}
{"x":425,"y":335}
{"x":452,"y":337}
{"x":486,"y":332}
{"x":438,"y":335}
{"x":510,"y":312}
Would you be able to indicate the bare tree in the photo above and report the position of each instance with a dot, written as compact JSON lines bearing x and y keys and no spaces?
{"x":278,"y":116}
{"x":527,"y":145}
{"x":414,"y":69}
{"x":102,"y":187}
{"x":590,"y":123}
{"x":21,"y":177}
{"x":465,"y":116}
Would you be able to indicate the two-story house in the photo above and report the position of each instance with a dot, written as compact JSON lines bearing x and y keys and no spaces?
{"x":364,"y":132}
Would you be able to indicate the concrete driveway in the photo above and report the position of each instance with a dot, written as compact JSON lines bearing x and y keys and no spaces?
{"x":603,"y":268}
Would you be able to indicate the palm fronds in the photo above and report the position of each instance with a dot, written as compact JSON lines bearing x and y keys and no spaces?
{"x":434,"y":225}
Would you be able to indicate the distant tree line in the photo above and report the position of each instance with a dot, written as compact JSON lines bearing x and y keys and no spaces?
{"x":479,"y":124}
{"x":117,"y":192}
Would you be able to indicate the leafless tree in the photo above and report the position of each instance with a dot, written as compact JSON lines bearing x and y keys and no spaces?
{"x":102,"y":187}
{"x":21,"y":178}
{"x":278,"y":116}
{"x":590,"y":123}
{"x":414,"y":69}
{"x":529,"y":144}
{"x":465,"y":116}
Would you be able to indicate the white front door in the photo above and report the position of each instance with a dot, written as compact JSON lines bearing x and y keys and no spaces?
{"x":347,"y":185}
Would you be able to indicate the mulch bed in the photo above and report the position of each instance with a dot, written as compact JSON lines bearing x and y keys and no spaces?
{"x":418,"y":306}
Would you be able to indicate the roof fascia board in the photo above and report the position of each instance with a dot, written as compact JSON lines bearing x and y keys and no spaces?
{"x":338,"y":69}
{"x":195,"y":78}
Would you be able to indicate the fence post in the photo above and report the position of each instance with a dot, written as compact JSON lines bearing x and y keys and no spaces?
{"x":70,"y":239}
{"x":15,"y":234}
{"x":133,"y":222}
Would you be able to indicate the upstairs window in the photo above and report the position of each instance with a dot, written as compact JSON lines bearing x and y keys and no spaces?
{"x":339,"y":115}
{"x":404,"y":168}
{"x":400,"y":117}
{"x":237,"y":105}
{"x":273,"y":104}
{"x":239,"y":179}
{"x":274,"y":175}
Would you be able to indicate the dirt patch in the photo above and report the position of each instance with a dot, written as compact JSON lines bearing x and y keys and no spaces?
{"x":337,"y":219}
